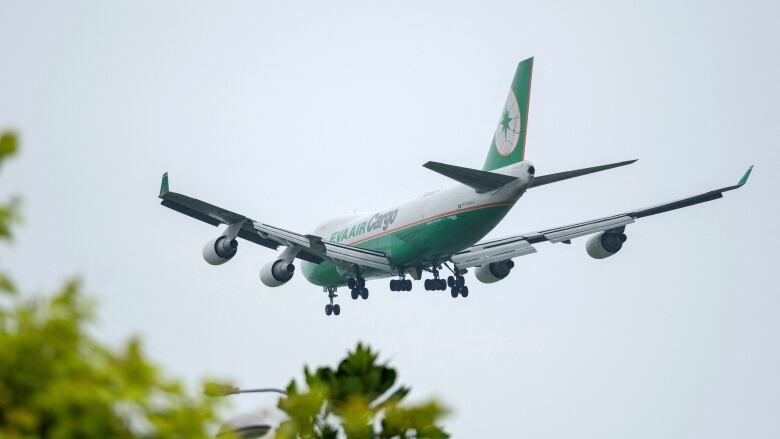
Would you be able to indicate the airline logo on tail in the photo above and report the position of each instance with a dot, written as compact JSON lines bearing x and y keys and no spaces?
{"x":508,"y":144}
{"x":508,"y":129}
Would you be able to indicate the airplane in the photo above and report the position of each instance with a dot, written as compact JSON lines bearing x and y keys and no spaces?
{"x":437,"y":231}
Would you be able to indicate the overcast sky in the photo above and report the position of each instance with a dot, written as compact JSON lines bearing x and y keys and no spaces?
{"x":294,"y":112}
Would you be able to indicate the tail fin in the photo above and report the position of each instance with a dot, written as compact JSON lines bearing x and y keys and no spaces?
{"x":508,"y":144}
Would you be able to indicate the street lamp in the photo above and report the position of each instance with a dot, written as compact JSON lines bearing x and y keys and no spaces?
{"x":246,"y":426}
{"x":219,"y":390}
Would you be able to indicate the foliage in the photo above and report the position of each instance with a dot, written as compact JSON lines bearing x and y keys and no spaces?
{"x":8,"y":210}
{"x":355,"y":401}
{"x":56,"y":381}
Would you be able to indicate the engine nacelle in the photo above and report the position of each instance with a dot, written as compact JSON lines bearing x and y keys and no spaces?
{"x":276,"y":273}
{"x":220,"y":250}
{"x":494,"y":272}
{"x":605,"y":244}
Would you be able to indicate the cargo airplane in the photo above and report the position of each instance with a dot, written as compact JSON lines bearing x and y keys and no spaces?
{"x":441,"y":230}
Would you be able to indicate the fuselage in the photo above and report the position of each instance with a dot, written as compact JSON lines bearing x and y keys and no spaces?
{"x":421,"y":231}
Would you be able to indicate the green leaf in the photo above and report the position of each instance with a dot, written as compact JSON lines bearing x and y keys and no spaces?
{"x":8,"y":144}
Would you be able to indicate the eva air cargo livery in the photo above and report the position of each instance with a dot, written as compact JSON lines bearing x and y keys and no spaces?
{"x":440,"y":233}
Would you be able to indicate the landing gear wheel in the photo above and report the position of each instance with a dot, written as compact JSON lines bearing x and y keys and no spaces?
{"x":331,"y":308}
{"x":351,"y":283}
{"x":354,"y":293}
{"x":454,"y":291}
{"x":427,"y":285}
{"x":408,"y":285}
{"x":464,"y":291}
{"x":450,"y":281}
{"x":364,"y":293}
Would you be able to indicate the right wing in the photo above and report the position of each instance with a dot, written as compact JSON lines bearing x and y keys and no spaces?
{"x":309,"y":247}
{"x":496,"y":250}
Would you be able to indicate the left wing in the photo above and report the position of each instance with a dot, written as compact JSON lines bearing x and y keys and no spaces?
{"x":308,"y":247}
{"x":496,"y":250}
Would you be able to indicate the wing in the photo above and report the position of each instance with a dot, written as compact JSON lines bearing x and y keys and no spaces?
{"x":310,"y":248}
{"x":506,"y":248}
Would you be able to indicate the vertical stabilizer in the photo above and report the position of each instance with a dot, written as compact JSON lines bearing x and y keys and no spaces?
{"x":508,"y":145}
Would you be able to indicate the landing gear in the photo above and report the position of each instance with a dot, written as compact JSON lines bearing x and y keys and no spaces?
{"x":359,"y":293}
{"x":357,"y":288}
{"x":435,"y":284}
{"x":458,"y":286}
{"x":401,"y":285}
{"x":332,"y":308}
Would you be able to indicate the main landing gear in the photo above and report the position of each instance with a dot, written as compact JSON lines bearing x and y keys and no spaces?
{"x":357,"y":288}
{"x":332,"y":308}
{"x":456,"y":283}
{"x":435,"y":284}
{"x":401,"y":285}
{"x":457,"y":286}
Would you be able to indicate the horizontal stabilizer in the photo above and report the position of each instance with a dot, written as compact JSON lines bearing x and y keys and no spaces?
{"x":480,"y":181}
{"x":559,"y":176}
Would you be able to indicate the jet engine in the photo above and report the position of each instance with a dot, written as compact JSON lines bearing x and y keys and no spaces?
{"x":494,"y":272}
{"x":220,"y":250}
{"x":605,"y":244}
{"x":276,"y":273}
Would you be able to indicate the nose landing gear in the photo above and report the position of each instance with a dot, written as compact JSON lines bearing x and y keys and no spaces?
{"x":332,"y":308}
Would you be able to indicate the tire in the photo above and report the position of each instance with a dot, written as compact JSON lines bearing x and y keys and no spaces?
{"x":450,"y":281}
{"x":364,"y":293}
{"x":351,"y":283}
{"x":408,"y":285}
{"x":354,"y":293}
{"x":442,"y":285}
{"x":464,"y":291}
{"x":454,"y":291}
{"x":328,"y":309}
{"x":460,"y":281}
{"x":392,"y":285}
{"x":427,"y":284}
{"x":336,"y":309}
{"x":361,"y":283}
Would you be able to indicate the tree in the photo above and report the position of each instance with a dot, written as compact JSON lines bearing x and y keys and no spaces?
{"x":8,"y":210}
{"x":355,"y":401}
{"x":56,"y":381}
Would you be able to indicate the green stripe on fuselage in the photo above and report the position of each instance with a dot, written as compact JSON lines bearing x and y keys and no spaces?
{"x":420,"y":243}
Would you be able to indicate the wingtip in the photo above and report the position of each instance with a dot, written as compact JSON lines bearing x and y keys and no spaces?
{"x":745,"y":176}
{"x":164,"y":187}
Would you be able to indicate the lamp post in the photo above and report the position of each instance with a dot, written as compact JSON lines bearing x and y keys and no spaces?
{"x":247,"y":426}
{"x":236,"y":391}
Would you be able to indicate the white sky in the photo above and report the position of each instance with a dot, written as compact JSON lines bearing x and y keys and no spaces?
{"x":295,"y":112}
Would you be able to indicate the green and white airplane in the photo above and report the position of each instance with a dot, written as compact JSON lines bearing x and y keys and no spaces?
{"x":440,"y":230}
